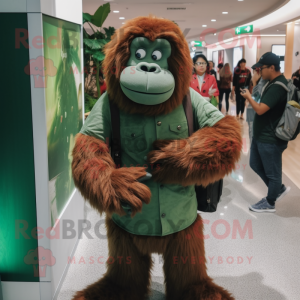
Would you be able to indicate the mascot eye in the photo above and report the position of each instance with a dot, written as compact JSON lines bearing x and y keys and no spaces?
{"x":156,"y":55}
{"x":141,"y":53}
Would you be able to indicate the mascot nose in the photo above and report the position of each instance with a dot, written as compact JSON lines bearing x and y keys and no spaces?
{"x":146,"y":67}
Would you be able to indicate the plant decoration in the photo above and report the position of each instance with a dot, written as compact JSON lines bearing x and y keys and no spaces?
{"x":93,"y":52}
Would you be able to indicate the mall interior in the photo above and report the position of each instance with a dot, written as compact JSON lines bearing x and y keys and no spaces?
{"x":65,"y":210}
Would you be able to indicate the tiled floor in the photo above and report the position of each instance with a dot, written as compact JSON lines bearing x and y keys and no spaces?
{"x":264,"y":265}
{"x":291,"y":161}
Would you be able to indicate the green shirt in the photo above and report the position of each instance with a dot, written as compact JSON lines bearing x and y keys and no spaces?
{"x":275,"y":97}
{"x":172,"y":207}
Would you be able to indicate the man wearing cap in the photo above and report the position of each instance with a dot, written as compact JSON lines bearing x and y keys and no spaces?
{"x":266,"y":148}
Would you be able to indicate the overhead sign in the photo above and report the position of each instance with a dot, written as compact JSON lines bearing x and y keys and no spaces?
{"x":244,"y":29}
{"x":198,"y":44}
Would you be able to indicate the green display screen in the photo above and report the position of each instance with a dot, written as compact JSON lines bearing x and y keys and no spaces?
{"x":17,"y":180}
{"x":63,"y":91}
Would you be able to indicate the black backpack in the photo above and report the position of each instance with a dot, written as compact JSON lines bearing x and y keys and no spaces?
{"x":208,"y":197}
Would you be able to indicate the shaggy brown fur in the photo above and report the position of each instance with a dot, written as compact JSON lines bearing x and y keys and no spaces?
{"x":99,"y":182}
{"x":184,"y":267}
{"x":117,"y":53}
{"x":104,"y":186}
{"x":205,"y":157}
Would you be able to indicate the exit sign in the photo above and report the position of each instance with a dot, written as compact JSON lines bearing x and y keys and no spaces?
{"x":244,"y":29}
{"x":197,"y":44}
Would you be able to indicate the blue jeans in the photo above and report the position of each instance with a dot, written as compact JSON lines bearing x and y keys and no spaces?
{"x":266,"y":161}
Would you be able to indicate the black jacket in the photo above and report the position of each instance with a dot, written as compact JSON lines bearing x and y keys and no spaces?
{"x":241,"y":79}
{"x":213,"y":72}
{"x":296,"y":81}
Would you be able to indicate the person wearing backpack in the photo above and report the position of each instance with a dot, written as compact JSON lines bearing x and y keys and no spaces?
{"x":257,"y":84}
{"x":266,"y":148}
{"x":296,"y":78}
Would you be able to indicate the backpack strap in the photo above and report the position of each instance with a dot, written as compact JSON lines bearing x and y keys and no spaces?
{"x":263,"y":89}
{"x":116,"y":137}
{"x":283,"y":85}
{"x":287,"y":90}
{"x":266,"y":87}
{"x":188,"y":109}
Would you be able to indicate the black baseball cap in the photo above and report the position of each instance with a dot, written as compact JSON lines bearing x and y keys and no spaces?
{"x":268,"y":59}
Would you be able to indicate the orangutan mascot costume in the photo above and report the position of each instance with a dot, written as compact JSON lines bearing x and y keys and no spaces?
{"x":150,"y":201}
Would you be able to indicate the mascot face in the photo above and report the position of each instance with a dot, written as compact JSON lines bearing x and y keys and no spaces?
{"x":146,"y":79}
{"x":147,"y":66}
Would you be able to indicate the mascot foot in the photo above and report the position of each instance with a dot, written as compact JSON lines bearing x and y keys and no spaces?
{"x":206,"y":291}
{"x":105,"y":289}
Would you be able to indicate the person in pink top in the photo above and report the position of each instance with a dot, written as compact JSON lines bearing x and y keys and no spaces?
{"x":202,"y":82}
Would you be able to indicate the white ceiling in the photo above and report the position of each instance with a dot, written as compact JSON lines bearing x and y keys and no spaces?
{"x":194,"y":15}
{"x":278,"y":29}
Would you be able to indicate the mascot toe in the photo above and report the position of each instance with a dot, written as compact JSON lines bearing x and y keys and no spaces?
{"x":147,"y":188}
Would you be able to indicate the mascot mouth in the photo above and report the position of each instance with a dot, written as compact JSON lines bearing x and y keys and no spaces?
{"x":146,"y":93}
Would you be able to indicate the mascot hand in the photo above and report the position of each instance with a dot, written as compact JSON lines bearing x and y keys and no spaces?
{"x":127,"y":189}
{"x":104,"y":186}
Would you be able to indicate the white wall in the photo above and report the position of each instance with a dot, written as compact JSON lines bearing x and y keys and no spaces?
{"x":296,"y":59}
{"x":268,"y":41}
{"x":69,"y":10}
{"x":254,"y":50}
{"x":228,"y":57}
{"x":203,"y":49}
{"x":65,"y":247}
{"x":250,"y":44}
{"x":251,"y":53}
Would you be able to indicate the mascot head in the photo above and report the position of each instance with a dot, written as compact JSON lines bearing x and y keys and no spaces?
{"x":147,"y":66}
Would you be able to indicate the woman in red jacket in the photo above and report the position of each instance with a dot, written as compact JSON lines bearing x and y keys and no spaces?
{"x":202,"y":82}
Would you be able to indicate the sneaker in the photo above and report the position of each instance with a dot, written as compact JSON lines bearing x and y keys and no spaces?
{"x":262,"y":206}
{"x":259,"y":202}
{"x":284,"y":190}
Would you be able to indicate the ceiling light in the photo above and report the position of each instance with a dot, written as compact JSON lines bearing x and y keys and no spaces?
{"x":204,"y":25}
{"x":121,"y":18}
{"x":176,"y":8}
{"x":224,"y":12}
{"x":213,"y":20}
{"x":115,"y":11}
{"x":215,"y":34}
{"x":297,"y":23}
